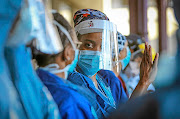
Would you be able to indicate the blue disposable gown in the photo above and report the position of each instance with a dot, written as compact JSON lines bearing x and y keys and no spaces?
{"x":10,"y":104}
{"x":101,"y":103}
{"x":35,"y":97}
{"x":32,"y":100}
{"x":71,"y":104}
{"x":117,"y":90}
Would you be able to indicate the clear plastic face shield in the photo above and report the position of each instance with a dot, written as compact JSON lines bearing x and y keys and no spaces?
{"x":124,"y":58}
{"x":115,"y":51}
{"x":35,"y":23}
{"x":97,"y":37}
{"x":48,"y":40}
{"x":20,"y":33}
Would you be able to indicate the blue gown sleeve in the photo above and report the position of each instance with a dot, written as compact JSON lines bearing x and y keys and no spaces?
{"x":117,"y":90}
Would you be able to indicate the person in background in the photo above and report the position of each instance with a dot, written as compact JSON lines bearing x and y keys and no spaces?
{"x":162,"y":104}
{"x":124,"y":52}
{"x":124,"y":57}
{"x":53,"y":71}
{"x":131,"y":74}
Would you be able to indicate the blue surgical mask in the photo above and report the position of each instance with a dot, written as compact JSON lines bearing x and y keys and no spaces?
{"x":125,"y":61}
{"x":88,"y":63}
{"x":72,"y":66}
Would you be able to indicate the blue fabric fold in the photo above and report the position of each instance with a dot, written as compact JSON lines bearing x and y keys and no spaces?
{"x":115,"y":85}
{"x":35,"y":98}
{"x":71,"y":104}
{"x":102,"y":104}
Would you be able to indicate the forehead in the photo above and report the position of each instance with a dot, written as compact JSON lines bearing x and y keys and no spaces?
{"x":92,"y":36}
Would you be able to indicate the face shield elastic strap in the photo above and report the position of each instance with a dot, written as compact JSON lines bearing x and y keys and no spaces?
{"x":66,"y":33}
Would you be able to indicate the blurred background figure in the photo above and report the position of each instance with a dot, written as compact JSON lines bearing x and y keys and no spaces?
{"x":131,"y":74}
{"x":124,"y":56}
{"x":164,"y":103}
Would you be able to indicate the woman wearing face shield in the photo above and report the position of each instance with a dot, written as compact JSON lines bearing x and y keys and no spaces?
{"x":53,"y":71}
{"x":88,"y":26}
{"x":93,"y":28}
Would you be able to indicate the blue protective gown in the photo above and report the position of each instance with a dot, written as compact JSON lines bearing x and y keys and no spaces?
{"x":101,"y":103}
{"x":35,"y":97}
{"x":71,"y":104}
{"x":117,"y":90}
{"x":10,"y":104}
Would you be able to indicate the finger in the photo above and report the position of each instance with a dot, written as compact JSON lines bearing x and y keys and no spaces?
{"x":146,"y":46}
{"x":150,"y":55}
{"x":155,"y":63}
{"x":145,"y":53}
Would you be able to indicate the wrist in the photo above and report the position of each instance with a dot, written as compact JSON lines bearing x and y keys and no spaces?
{"x":144,"y":81}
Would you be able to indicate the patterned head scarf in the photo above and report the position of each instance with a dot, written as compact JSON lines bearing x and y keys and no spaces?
{"x":88,"y":14}
{"x":121,"y":41}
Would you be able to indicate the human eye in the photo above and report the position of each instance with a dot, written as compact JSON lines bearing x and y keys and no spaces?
{"x":89,"y":45}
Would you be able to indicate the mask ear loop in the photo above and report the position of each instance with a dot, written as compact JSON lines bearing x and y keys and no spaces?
{"x":53,"y":11}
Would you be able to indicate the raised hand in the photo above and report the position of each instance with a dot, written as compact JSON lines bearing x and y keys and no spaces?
{"x":148,"y":67}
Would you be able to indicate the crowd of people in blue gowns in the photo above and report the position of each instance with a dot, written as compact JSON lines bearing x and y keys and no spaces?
{"x":51,"y":70}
